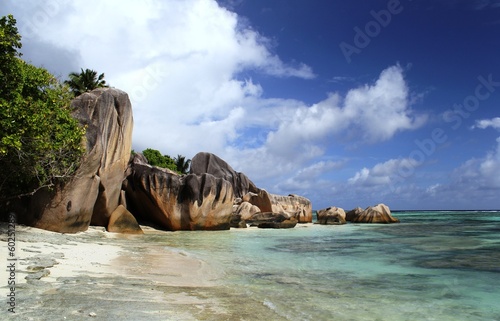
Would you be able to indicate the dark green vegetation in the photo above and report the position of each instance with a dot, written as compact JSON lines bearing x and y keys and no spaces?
{"x":40,"y":142}
{"x":182,"y":164}
{"x":178,"y":164}
{"x":84,"y":81}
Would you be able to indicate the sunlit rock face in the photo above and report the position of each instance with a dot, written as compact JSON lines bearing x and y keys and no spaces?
{"x":294,"y":206}
{"x":375,"y":214}
{"x":206,"y":163}
{"x":349,"y":216}
{"x":179,"y":202}
{"x":331,"y":216}
{"x":94,"y":191}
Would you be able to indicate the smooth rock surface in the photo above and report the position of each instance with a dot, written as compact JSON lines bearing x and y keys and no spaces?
{"x":375,"y":214}
{"x":331,"y":216}
{"x":246,"y":210}
{"x":94,"y":192}
{"x":349,"y":216}
{"x":175,"y":202}
{"x":292,"y":205}
{"x":206,"y":163}
{"x":122,"y":221}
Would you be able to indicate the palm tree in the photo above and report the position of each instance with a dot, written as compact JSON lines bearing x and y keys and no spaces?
{"x":84,"y":81}
{"x":182,"y":164}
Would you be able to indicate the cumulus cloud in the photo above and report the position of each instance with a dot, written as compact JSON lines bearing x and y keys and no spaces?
{"x":388,"y":173}
{"x":310,"y":177}
{"x":181,"y":62}
{"x":485,"y":123}
{"x":178,"y":60}
{"x":368,"y":114}
{"x":480,"y":173}
{"x":476,"y":179}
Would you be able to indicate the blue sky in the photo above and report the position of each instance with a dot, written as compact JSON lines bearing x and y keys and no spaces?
{"x":349,"y":103}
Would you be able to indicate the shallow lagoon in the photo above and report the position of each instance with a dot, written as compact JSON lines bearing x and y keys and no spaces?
{"x":432,"y":266}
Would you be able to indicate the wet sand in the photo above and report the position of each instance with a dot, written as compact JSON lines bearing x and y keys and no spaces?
{"x":107,"y":276}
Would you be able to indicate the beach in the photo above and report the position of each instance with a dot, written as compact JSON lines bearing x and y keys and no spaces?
{"x":105,"y":275}
{"x":431,"y":266}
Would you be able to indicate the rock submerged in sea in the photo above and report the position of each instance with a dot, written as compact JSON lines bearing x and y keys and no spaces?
{"x":375,"y":214}
{"x":350,"y":215}
{"x":294,"y":206}
{"x":289,"y":223}
{"x":272,"y":220}
{"x":331,"y":216}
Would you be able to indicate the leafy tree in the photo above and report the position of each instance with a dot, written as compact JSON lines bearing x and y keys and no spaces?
{"x":40,"y":142}
{"x":84,"y":81}
{"x":182,"y":164}
{"x":155,"y":158}
{"x":10,"y":42}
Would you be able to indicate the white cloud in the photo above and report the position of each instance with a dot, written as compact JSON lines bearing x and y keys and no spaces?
{"x":181,"y":63}
{"x":485,"y":123}
{"x":368,"y":114}
{"x":382,"y":109}
{"x":483,"y":173}
{"x":389,"y":174}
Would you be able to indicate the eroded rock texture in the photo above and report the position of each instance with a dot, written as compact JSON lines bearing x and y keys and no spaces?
{"x":94,"y":191}
{"x":175,"y":202}
{"x":375,"y":214}
{"x":332,"y":216}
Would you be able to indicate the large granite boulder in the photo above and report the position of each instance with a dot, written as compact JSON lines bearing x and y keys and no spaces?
{"x":375,"y":214}
{"x":266,"y":217}
{"x":246,"y":210}
{"x":331,"y":216}
{"x":94,"y":191}
{"x":206,"y":163}
{"x":261,"y":199}
{"x":289,"y":223}
{"x":294,"y":206}
{"x":179,"y":202}
{"x":122,"y":221}
{"x":349,"y":216}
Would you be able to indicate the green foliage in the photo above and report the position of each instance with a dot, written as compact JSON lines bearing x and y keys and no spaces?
{"x":10,"y":42}
{"x":84,"y":81}
{"x":155,"y":158}
{"x":182,"y":165}
{"x":40,"y":142}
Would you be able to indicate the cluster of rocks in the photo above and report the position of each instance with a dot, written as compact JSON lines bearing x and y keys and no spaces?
{"x":115,"y":189}
{"x":373,"y":214}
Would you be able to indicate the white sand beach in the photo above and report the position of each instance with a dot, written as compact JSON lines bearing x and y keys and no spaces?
{"x":117,"y":272}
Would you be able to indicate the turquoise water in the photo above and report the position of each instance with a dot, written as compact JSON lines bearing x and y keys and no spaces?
{"x":433,"y":266}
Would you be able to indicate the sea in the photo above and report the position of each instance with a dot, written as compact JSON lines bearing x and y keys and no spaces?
{"x":434,"y":265}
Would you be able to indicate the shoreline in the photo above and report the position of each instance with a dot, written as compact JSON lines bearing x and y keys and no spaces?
{"x":106,"y":275}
